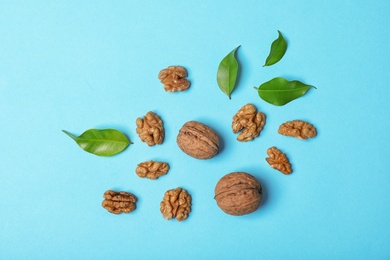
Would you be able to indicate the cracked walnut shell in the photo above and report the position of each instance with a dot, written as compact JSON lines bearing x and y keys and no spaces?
{"x":299,"y":129}
{"x":176,"y":204}
{"x":250,"y":120}
{"x":278,"y":160}
{"x":174,"y":79}
{"x":198,"y":140}
{"x":238,"y":193}
{"x":151,"y":169}
{"x":150,"y":129}
{"x":119,"y":202}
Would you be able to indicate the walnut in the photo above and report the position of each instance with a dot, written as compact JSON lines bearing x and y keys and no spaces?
{"x":119,"y":202}
{"x":198,"y":140}
{"x":174,"y":79}
{"x":150,"y":129}
{"x":176,"y":204}
{"x":278,"y":160}
{"x":238,"y":193}
{"x":298,"y":128}
{"x":152,"y":169}
{"x":251,"y":121}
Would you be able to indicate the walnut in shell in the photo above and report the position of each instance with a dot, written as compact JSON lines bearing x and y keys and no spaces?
{"x":238,"y":193}
{"x":250,"y":120}
{"x":298,"y":128}
{"x":150,"y":129}
{"x":198,"y":140}
{"x":151,"y":169}
{"x":176,"y":204}
{"x":119,"y":202}
{"x":278,"y":160}
{"x":174,"y":78}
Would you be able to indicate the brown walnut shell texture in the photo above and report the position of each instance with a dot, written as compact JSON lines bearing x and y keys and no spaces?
{"x":238,"y":193}
{"x":176,"y":204}
{"x":298,"y":128}
{"x":198,"y":140}
{"x":119,"y":202}
{"x":174,"y":79}
{"x":150,"y":129}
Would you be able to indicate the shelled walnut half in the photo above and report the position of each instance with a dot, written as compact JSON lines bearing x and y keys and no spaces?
{"x":176,"y":204}
{"x":151,"y":169}
{"x":278,"y":160}
{"x":298,"y":128}
{"x":150,"y":129}
{"x":250,"y":120}
{"x":119,"y":202}
{"x":174,"y":78}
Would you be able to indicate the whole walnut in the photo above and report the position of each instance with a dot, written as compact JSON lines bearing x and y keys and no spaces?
{"x":238,"y":193}
{"x":198,"y":140}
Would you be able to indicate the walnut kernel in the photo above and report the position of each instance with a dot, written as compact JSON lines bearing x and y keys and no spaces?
{"x":238,"y":193}
{"x":299,"y":129}
{"x":251,"y":121}
{"x":278,"y":160}
{"x":119,"y":202}
{"x":150,"y":129}
{"x":152,"y":169}
{"x":176,"y":204}
{"x":198,"y":140}
{"x":174,"y":79}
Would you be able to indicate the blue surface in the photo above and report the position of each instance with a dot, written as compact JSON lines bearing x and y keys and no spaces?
{"x":74,"y":66}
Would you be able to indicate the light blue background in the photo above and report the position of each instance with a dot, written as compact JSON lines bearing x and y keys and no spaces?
{"x":77,"y":65}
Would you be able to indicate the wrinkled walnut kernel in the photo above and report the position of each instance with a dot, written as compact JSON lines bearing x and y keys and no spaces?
{"x":251,"y":121}
{"x":174,"y":79}
{"x":152,"y":169}
{"x":299,"y":129}
{"x":119,"y":202}
{"x":150,"y":129}
{"x":278,"y":160}
{"x":176,"y":204}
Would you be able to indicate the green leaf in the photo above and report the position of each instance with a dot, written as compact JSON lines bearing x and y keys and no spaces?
{"x":278,"y":49}
{"x":106,"y":142}
{"x":279,"y":91}
{"x":227,"y":73}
